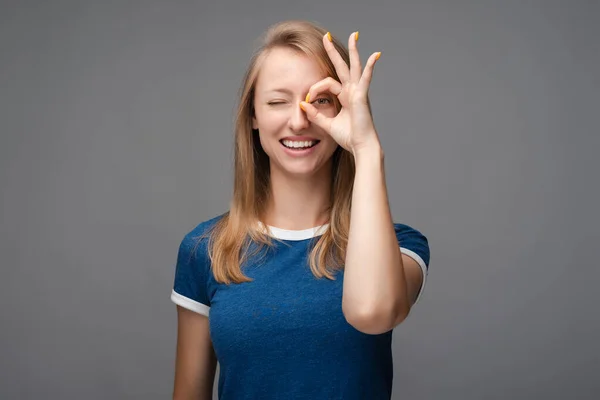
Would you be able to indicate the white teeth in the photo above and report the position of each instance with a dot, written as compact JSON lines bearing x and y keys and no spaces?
{"x":298,"y":144}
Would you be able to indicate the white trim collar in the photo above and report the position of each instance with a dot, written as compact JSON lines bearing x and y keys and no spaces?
{"x":302,"y":234}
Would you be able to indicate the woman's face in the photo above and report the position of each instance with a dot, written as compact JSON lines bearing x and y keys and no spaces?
{"x":283,"y":81}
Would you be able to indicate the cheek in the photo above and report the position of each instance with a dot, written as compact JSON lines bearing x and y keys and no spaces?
{"x":267,"y":135}
{"x":264,"y":142}
{"x":331,"y":147}
{"x":270,"y":123}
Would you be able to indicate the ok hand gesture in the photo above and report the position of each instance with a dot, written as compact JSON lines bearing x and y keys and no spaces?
{"x":352,"y":128}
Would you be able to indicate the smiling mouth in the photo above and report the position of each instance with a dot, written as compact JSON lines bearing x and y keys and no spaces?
{"x":315,"y":142}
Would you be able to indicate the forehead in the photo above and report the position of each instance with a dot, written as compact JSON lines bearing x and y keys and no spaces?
{"x":288,"y":69}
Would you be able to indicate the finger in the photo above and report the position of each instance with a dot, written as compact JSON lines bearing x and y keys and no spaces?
{"x":316,"y":117}
{"x":355,"y":67}
{"x":341,"y":68}
{"x":326,"y":85}
{"x":365,"y":80}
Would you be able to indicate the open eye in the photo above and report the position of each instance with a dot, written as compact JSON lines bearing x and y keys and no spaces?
{"x":322,"y":100}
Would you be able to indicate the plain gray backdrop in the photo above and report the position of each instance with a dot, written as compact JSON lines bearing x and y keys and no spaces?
{"x":116,"y":140}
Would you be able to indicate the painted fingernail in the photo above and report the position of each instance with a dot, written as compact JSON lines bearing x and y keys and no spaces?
{"x":378,"y":55}
{"x":307,"y":97}
{"x":302,"y":107}
{"x":329,"y":36}
{"x":356,"y":36}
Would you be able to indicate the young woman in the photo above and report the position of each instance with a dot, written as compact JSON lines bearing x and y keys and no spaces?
{"x":306,"y":275}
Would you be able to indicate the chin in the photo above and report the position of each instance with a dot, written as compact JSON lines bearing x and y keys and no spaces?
{"x":297,"y":169}
{"x":304,"y":171}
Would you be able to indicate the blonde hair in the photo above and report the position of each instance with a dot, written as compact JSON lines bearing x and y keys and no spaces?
{"x":231,"y":238}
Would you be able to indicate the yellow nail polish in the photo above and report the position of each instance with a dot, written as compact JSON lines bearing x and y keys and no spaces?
{"x":378,"y":55}
{"x":307,"y":97}
{"x":302,"y":107}
{"x":356,"y":36}
{"x":329,"y":36}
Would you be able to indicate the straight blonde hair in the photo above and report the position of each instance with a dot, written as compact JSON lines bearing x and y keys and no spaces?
{"x":232,"y":236}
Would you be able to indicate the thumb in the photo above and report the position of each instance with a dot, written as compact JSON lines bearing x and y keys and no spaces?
{"x":315,"y":116}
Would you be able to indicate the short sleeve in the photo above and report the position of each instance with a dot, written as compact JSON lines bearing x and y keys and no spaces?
{"x":190,"y":289}
{"x":415,"y":245}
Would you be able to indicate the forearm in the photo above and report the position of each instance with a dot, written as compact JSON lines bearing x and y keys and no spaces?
{"x":374,"y":281}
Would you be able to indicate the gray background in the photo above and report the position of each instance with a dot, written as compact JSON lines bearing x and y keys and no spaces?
{"x":116,"y":140}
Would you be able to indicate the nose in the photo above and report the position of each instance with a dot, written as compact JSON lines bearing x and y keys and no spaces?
{"x":298,"y":119}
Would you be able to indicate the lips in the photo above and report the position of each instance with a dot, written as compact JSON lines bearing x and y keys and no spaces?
{"x":299,"y":138}
{"x":300,"y":152}
{"x":307,"y":140}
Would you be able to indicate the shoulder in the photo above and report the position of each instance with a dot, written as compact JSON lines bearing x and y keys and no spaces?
{"x":407,"y":230}
{"x":203,"y":227}
{"x":412,"y":239}
{"x":199,"y":234}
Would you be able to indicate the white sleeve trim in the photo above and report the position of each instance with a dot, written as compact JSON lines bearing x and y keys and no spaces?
{"x":421,"y":263}
{"x":190,"y":304}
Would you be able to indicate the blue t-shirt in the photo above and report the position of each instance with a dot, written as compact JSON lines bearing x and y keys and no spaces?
{"x":283,"y":335}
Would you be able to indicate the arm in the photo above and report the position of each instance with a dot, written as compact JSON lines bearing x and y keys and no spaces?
{"x":379,"y":282}
{"x":196,"y":362}
{"x":376,"y":289}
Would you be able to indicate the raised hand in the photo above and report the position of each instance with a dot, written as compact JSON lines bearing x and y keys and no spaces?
{"x":352,"y":128}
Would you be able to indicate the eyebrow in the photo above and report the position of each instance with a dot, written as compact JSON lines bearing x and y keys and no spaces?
{"x":281,"y":90}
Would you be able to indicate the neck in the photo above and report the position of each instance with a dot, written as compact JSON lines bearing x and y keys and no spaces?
{"x":298,"y":203}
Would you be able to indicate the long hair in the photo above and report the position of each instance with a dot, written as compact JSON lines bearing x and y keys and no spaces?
{"x":231,"y":238}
